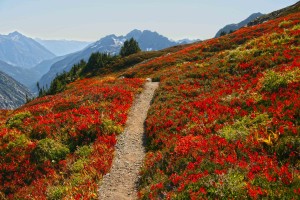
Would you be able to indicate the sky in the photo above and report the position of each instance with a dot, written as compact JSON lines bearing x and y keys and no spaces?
{"x":90,"y":20}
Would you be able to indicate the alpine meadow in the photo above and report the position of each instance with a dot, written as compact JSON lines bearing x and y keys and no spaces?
{"x":221,"y":116}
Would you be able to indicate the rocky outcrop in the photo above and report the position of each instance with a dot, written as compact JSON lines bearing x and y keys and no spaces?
{"x":12,"y":93}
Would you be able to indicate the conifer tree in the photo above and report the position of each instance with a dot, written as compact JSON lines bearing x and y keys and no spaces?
{"x":130,"y":47}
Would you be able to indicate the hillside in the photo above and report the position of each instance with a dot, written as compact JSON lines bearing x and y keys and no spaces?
{"x":225,"y":121}
{"x":12,"y":93}
{"x":28,"y":77}
{"x":19,"y":50}
{"x":223,"y":124}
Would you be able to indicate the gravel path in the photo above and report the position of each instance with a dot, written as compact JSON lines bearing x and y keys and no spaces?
{"x":120,"y":183}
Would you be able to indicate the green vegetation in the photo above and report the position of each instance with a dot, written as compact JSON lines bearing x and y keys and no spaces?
{"x":84,"y":151}
{"x":243,"y":127}
{"x":273,"y":81}
{"x":285,"y":24}
{"x":101,"y":64}
{"x":56,"y":192}
{"x":60,"y":82}
{"x":108,"y":127}
{"x":20,"y":141}
{"x":48,"y":149}
{"x":98,"y":64}
{"x":97,"y":61}
{"x":130,"y":47}
{"x":79,"y":165}
{"x":17,"y":120}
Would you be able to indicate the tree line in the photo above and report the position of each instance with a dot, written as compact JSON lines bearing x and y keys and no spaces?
{"x":97,"y":62}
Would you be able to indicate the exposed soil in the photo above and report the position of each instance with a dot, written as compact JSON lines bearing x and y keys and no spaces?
{"x":120,"y":183}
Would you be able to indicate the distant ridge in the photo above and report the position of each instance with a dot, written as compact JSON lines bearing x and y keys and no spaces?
{"x":19,"y":50}
{"x":278,"y":13}
{"x":148,"y":41}
{"x":233,"y":27}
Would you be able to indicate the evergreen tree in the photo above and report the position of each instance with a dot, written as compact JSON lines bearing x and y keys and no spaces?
{"x":130,"y":47}
{"x":38,"y":86}
{"x":96,"y":62}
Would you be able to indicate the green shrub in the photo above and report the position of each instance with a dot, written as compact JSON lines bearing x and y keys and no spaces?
{"x":280,"y":39}
{"x":242,"y":128}
{"x":296,"y":27}
{"x":78,"y":165}
{"x":17,"y":120}
{"x":48,"y":149}
{"x":56,"y":192}
{"x":273,"y":81}
{"x":20,"y":141}
{"x":76,"y":179}
{"x":84,"y":151}
{"x":233,"y":184}
{"x":108,"y":127}
{"x":285,"y":24}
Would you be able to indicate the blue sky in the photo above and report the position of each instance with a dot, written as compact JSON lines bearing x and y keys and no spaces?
{"x":90,"y":20}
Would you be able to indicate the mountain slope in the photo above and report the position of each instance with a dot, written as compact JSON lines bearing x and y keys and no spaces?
{"x":223,"y":124}
{"x":25,"y":76}
{"x":111,"y":44}
{"x":39,"y":133}
{"x":41,"y":69}
{"x":63,"y":47}
{"x":12,"y":93}
{"x":225,"y":121}
{"x":150,"y":41}
{"x":28,"y":77}
{"x":19,"y":50}
{"x":233,"y":27}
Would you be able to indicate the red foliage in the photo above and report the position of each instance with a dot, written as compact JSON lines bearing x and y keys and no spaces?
{"x":217,"y":131}
{"x":74,"y":118}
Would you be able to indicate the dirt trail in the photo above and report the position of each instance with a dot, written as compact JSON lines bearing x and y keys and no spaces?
{"x":120,"y":183}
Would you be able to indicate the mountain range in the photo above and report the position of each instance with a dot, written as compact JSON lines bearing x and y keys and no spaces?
{"x":233,"y":27}
{"x":12,"y":93}
{"x":29,"y":61}
{"x":19,"y":50}
{"x":148,"y":41}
